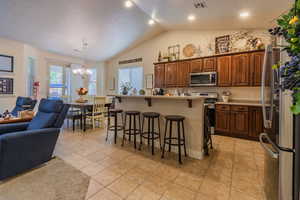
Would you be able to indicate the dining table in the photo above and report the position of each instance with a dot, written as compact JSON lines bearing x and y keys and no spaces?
{"x":85,"y":107}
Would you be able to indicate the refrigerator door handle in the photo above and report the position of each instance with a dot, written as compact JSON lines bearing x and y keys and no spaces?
{"x":267,"y":121}
{"x":272,"y":153}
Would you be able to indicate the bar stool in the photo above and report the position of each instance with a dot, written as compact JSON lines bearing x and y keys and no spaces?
{"x":178,"y":140}
{"x":132,"y":131}
{"x":151,"y":134}
{"x":115,"y":127}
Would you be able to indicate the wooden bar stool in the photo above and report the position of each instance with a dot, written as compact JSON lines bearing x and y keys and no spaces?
{"x":178,"y":141}
{"x":132,"y":130}
{"x":115,"y":127}
{"x":151,"y":134}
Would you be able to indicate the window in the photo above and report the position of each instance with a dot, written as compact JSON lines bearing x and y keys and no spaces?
{"x":30,"y":76}
{"x":59,"y":81}
{"x":132,"y":75}
{"x":93,"y":82}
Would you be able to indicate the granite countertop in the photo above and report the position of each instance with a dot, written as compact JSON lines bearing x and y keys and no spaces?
{"x":241,"y":102}
{"x":163,"y":97}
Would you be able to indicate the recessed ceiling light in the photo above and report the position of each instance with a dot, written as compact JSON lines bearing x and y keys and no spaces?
{"x":244,"y":14}
{"x":151,"y":22}
{"x":191,"y":17}
{"x":128,"y":4}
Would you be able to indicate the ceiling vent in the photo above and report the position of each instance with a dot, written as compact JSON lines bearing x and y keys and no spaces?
{"x":200,"y":3}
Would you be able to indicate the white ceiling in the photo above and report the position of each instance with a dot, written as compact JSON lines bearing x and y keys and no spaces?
{"x":219,"y":14}
{"x":60,"y":25}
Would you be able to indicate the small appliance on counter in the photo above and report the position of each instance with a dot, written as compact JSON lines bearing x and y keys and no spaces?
{"x":158,"y":91}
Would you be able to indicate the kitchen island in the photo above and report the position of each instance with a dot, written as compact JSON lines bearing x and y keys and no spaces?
{"x":191,"y":107}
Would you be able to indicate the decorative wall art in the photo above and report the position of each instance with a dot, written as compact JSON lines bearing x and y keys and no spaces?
{"x":245,"y":41}
{"x":189,"y":50}
{"x":6,"y":86}
{"x":6,"y":63}
{"x":174,"y":52}
{"x":222,"y":44}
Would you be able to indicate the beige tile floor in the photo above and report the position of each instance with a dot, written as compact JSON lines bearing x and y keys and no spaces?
{"x":233,"y":171}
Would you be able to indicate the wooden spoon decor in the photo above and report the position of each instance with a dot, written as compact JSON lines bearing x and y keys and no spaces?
{"x":189,"y":50}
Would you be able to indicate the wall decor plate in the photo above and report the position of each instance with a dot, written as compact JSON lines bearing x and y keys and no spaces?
{"x":189,"y":50}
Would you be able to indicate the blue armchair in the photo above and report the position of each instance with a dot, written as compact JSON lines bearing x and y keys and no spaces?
{"x":23,"y":103}
{"x":24,"y":146}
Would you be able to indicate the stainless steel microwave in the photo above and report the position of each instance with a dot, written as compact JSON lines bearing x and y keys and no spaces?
{"x":203,"y":79}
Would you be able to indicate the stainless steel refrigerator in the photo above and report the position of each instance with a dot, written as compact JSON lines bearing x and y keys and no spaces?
{"x":280,"y":139}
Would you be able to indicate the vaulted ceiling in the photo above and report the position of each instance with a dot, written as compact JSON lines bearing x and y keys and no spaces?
{"x":60,"y":25}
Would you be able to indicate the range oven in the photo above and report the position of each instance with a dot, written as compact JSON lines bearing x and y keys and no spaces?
{"x":203,"y":79}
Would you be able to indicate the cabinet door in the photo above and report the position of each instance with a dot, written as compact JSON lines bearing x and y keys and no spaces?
{"x":224,"y":70}
{"x":183,"y":70}
{"x":159,"y":76}
{"x":223,"y":121}
{"x":171,"y":75}
{"x":209,"y":65}
{"x":239,"y":123}
{"x":255,"y":122}
{"x":256,"y":65}
{"x":240,"y":70}
{"x":196,"y":66}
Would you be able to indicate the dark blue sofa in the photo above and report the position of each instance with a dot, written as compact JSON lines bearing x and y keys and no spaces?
{"x":24,"y":146}
{"x":23,"y":103}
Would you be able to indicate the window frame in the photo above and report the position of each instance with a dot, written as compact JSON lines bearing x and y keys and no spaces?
{"x":66,"y":80}
{"x":93,"y":81}
{"x":129,"y":67}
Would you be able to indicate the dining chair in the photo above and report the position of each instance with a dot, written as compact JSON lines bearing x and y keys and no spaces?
{"x":98,"y":111}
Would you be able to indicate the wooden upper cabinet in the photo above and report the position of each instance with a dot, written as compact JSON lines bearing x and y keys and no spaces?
{"x":159,"y":76}
{"x":240,"y":70}
{"x":183,"y":70}
{"x":209,"y":65}
{"x":171,"y":74}
{"x":196,"y":66}
{"x":224,"y":70}
{"x":256,"y":65}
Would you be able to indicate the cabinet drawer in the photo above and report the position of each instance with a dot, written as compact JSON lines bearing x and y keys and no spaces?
{"x":239,"y":108}
{"x":223,"y":107}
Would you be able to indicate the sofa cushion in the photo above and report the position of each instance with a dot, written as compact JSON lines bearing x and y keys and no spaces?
{"x":42,"y":120}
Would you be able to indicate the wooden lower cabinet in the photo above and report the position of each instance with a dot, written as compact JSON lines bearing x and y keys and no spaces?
{"x":223,"y":121}
{"x":239,"y":121}
{"x":256,"y":126}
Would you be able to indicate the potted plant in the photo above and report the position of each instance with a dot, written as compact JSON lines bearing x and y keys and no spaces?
{"x":226,"y":95}
{"x":289,"y":28}
{"x":126,"y":87}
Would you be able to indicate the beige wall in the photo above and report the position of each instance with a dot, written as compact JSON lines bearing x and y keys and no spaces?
{"x":149,"y":52}
{"x":21,"y":52}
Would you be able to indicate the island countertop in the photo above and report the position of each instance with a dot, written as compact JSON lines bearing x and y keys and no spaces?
{"x":161,"y":97}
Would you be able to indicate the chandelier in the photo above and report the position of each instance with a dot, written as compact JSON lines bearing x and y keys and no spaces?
{"x":81,"y":69}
